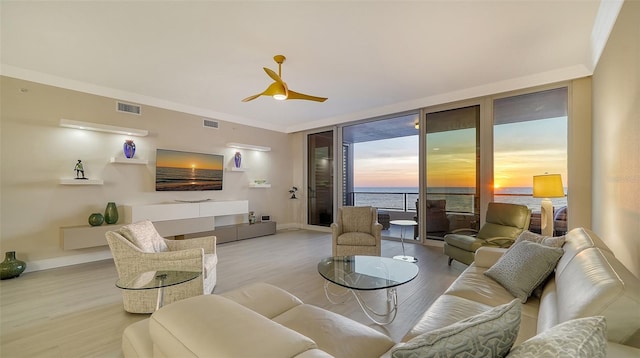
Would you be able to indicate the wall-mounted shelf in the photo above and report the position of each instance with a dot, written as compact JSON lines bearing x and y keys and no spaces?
{"x":121,"y":160}
{"x":234,"y":169}
{"x":89,"y":126}
{"x":72,"y":181}
{"x":254,"y":185}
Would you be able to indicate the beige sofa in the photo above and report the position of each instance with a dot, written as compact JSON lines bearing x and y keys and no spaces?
{"x":264,"y":321}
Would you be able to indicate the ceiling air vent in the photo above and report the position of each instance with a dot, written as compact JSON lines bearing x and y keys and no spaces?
{"x":209,"y":123}
{"x":129,"y":108}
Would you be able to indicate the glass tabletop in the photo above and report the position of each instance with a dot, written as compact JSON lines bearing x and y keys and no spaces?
{"x":367,"y":272}
{"x":155,"y":279}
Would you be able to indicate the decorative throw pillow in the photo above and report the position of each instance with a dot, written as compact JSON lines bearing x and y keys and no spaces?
{"x":489,"y":334}
{"x":144,"y":235}
{"x":581,"y":337}
{"x":551,"y":241}
{"x":524,"y":267}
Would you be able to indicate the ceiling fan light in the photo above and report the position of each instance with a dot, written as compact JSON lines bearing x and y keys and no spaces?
{"x":279,"y":96}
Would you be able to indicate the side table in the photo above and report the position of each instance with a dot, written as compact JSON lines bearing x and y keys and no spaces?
{"x":403,"y":224}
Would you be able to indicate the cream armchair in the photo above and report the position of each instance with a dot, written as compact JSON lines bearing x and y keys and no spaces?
{"x":138,"y":248}
{"x":356,"y":231}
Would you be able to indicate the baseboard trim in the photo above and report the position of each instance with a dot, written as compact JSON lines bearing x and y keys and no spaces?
{"x":56,"y":262}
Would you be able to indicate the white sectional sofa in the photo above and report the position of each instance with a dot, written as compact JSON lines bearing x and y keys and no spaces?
{"x":264,"y":321}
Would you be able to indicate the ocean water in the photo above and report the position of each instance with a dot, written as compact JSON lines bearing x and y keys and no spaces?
{"x":459,"y":199}
{"x":186,"y":179}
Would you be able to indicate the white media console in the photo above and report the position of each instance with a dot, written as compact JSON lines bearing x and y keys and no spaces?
{"x":170,"y":219}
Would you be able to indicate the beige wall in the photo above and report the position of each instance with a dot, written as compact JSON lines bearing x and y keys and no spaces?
{"x":616,"y":139}
{"x":36,"y":152}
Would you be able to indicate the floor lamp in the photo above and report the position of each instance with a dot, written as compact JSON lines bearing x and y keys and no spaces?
{"x":547,"y":186}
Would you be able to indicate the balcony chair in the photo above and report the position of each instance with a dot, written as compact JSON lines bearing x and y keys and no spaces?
{"x":356,"y":232}
{"x":503,"y":225}
{"x":138,"y":248}
{"x":436,"y":219}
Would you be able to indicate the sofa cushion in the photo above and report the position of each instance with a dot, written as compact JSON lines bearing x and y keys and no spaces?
{"x":522,"y":268}
{"x":268,"y":300}
{"x":335,"y":334}
{"x":214,"y":326}
{"x":583,"y":337}
{"x":489,"y":334}
{"x":144,"y":235}
{"x":551,"y":241}
{"x":577,"y":240}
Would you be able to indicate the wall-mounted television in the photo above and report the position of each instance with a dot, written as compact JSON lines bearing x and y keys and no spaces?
{"x":187,"y":171}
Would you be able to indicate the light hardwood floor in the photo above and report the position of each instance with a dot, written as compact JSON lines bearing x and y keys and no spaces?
{"x":76,"y":311}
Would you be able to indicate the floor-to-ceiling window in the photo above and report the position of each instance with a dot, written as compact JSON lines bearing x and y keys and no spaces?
{"x":530,"y":138}
{"x":320,"y":178}
{"x":452,"y":163}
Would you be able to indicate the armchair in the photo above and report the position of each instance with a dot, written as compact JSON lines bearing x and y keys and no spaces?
{"x":437,"y":220}
{"x":138,"y":248}
{"x":503,"y":225}
{"x":356,"y":231}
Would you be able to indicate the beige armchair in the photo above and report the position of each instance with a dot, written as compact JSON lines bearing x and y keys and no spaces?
{"x":138,"y":248}
{"x":503,"y":225}
{"x":356,"y":231}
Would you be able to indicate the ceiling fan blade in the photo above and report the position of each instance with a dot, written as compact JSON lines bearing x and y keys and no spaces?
{"x":251,"y":98}
{"x":273,"y":75}
{"x":296,"y":95}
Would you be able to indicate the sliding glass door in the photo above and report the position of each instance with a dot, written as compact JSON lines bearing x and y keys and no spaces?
{"x":320,"y":178}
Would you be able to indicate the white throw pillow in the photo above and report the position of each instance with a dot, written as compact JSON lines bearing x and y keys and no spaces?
{"x":489,"y":334}
{"x":581,"y":337}
{"x":144,"y":235}
{"x":551,"y":241}
{"x":522,"y":268}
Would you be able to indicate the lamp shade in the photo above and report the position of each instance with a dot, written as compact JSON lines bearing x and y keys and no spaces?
{"x":548,"y":186}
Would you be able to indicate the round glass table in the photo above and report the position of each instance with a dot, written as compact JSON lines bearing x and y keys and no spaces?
{"x":155,"y":279}
{"x":366,"y":273}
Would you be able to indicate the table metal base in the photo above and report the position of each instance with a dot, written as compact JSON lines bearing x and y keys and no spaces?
{"x":391,"y":303}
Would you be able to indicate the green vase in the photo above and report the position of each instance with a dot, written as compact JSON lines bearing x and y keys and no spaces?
{"x":96,"y":219}
{"x":11,"y":267}
{"x":111,"y":213}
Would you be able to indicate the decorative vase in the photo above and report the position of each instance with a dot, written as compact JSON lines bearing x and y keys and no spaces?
{"x":11,"y":267}
{"x":96,"y":219}
{"x":129,"y":148}
{"x":111,"y":213}
{"x":237,"y":159}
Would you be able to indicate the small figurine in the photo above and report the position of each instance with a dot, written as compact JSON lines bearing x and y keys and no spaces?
{"x":79,"y":168}
{"x":292,"y":191}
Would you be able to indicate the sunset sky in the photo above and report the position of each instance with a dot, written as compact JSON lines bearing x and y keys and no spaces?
{"x":176,"y":159}
{"x":521,"y":150}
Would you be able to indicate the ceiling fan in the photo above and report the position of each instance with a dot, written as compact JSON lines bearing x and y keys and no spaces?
{"x":279,"y":89}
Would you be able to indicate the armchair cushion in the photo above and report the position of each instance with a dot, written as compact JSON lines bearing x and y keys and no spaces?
{"x":144,"y":235}
{"x":357,"y":238}
{"x":522,"y":268}
{"x":357,"y":219}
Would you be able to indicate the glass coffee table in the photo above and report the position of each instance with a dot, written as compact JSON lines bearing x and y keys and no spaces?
{"x":367,"y":273}
{"x":155,"y":279}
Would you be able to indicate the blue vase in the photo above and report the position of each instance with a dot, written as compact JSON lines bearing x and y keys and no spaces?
{"x":129,"y":148}
{"x":237,"y":159}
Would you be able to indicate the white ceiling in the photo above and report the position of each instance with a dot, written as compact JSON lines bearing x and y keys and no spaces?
{"x":369,"y":58}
